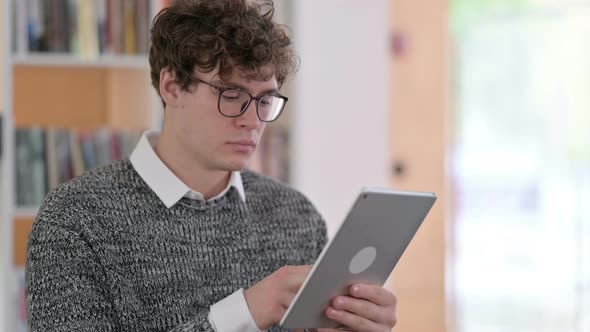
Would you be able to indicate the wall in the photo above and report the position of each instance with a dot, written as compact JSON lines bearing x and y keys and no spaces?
{"x":341,"y":97}
{"x":418,"y":139}
{"x":348,"y":134}
{"x":2,"y":57}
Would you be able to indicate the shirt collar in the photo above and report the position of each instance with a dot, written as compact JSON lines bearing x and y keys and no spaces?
{"x":163,"y":182}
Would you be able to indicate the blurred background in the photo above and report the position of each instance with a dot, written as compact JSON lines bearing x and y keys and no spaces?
{"x":485,"y":102}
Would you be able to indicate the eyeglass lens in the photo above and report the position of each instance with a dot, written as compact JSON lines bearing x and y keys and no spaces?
{"x":234,"y":102}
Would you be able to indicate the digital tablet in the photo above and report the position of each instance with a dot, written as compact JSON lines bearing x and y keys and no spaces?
{"x":365,"y":249}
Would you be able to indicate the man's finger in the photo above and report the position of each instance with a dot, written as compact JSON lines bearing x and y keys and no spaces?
{"x":364,"y":308}
{"x":373,"y":293}
{"x":352,"y":321}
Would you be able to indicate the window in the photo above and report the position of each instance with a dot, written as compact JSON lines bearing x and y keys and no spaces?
{"x":521,"y":165}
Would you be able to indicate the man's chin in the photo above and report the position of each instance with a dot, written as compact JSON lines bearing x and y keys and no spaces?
{"x":237,"y":165}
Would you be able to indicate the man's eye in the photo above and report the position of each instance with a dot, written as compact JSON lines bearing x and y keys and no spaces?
{"x":266,"y":101}
{"x":231,"y":94}
{"x":230,"y":98}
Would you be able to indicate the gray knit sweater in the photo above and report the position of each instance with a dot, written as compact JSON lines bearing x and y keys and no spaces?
{"x":105,"y":254}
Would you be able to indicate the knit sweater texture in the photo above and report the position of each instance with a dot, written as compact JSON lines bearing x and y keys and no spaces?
{"x":105,"y":254}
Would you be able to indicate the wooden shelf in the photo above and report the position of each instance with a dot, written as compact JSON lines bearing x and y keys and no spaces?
{"x":70,"y":60}
{"x":82,"y":97}
{"x":23,"y":221}
{"x":21,"y":229}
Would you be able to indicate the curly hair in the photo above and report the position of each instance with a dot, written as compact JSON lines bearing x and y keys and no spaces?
{"x":224,"y":34}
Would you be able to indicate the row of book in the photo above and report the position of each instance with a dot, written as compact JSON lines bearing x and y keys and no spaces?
{"x":86,"y":28}
{"x":47,"y":157}
{"x":272,"y":154}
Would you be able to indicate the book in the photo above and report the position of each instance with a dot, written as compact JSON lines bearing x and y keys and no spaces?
{"x":101,"y":25}
{"x":115,"y":28}
{"x":31,"y":179}
{"x":63,"y":156}
{"x":86,"y":145}
{"x":73,"y":34}
{"x":142,"y":20}
{"x":37,"y":160}
{"x":22,"y":178}
{"x":129,"y":27}
{"x":52,"y":163}
{"x":56,"y":22}
{"x":76,"y":153}
{"x":102,"y":146}
{"x":272,"y":154}
{"x":34,"y":24}
{"x":87,"y":28}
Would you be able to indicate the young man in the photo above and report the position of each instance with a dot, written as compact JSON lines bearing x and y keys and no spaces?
{"x":179,"y":237}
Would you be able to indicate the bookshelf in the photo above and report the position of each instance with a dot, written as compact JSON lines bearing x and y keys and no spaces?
{"x":76,"y":71}
{"x":5,"y":227}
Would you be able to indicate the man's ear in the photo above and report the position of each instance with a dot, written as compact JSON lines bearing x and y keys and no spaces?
{"x":169,"y":89}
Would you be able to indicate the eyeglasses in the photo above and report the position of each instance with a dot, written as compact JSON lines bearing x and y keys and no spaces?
{"x":234,"y":102}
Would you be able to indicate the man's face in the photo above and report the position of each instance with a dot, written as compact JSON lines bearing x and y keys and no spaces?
{"x":214,"y":141}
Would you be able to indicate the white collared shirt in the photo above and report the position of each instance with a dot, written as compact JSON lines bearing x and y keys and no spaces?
{"x":231,"y":313}
{"x":165,"y":184}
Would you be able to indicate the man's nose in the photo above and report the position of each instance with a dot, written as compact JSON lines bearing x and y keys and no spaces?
{"x":249,"y":118}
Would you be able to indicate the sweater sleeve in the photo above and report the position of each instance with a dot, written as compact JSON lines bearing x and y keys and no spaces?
{"x":66,"y":287}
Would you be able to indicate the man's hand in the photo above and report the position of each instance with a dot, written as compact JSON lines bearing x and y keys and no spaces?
{"x":269,"y":299}
{"x":368,"y":308}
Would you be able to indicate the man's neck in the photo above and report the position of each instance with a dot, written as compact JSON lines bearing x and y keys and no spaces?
{"x":208,"y":183}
